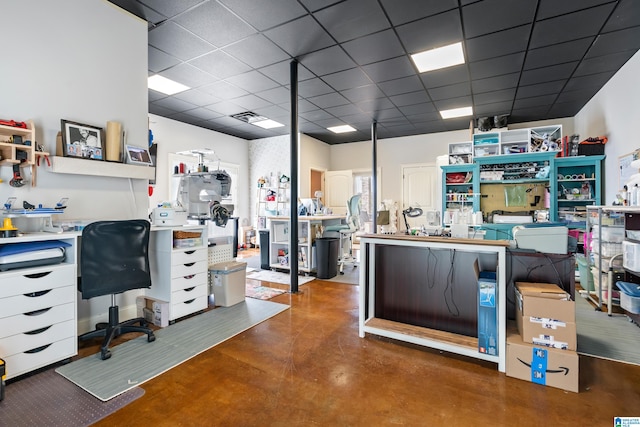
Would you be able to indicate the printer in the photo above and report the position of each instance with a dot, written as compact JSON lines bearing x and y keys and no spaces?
{"x":547,"y":239}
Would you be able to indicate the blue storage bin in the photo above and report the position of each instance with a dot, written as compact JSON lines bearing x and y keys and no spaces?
{"x":629,"y":296}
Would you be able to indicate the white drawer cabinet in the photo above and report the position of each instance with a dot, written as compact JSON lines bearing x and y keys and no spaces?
{"x":38,"y":320}
{"x":179,"y":271}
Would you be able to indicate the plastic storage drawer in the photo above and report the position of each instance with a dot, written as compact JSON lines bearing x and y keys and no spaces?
{"x":631,"y":256}
{"x":629,"y":296}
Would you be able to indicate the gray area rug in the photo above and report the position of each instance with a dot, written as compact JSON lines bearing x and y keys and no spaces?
{"x":136,"y":361}
{"x":47,"y":399}
{"x":613,"y":338}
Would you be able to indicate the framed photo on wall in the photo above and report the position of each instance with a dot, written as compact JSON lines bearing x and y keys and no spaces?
{"x":81,"y":140}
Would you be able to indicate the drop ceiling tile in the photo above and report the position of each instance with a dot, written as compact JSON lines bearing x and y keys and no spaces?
{"x":446,"y":76}
{"x":347,"y":79}
{"x":371,"y":105}
{"x":303,"y":106}
{"x":490,"y":16}
{"x":583,"y":23}
{"x":158,"y":60}
{"x":313,"y":87}
{"x":278,"y":12}
{"x":506,"y":81}
{"x":277,"y":95}
{"x":141,"y":11}
{"x":170,"y":8}
{"x":363,"y":93}
{"x":603,"y":63}
{"x":174,"y":104}
{"x":300,"y":36}
{"x":197,"y":97}
{"x":203,"y":113}
{"x":327,"y":61}
{"x":403,"y":11}
{"x":274,"y":112}
{"x":428,"y":33}
{"x":188,"y":75}
{"x":546,"y":74}
{"x":423,"y":108}
{"x":390,"y":69}
{"x":565,"y":109}
{"x":534,"y":101}
{"x":557,"y":54}
{"x":351,"y":19}
{"x":226,"y":108}
{"x":388,"y":113}
{"x":498,"y":44}
{"x":314,"y":5}
{"x":540,"y":89}
{"x":410,"y":98}
{"x":494,"y":96}
{"x":399,"y":86}
{"x":257,"y":51}
{"x":251,"y":102}
{"x":328,"y":100}
{"x":528,"y":114}
{"x":421,"y":118}
{"x":252,"y":81}
{"x":226,"y":121}
{"x":316,"y":115}
{"x":152,"y":95}
{"x":374,"y":47}
{"x":185,"y":117}
{"x":214,"y":23}
{"x":493,"y":109}
{"x":223,"y":90}
{"x":496,"y":66}
{"x":360,"y":118}
{"x":626,"y":15}
{"x":592,"y":80}
{"x":618,"y":41}
{"x":551,"y":8}
{"x":219,"y":64}
{"x":343,"y":110}
{"x":582,"y":95}
{"x":281,"y":72}
{"x":159,"y":110}
{"x":176,"y":41}
{"x":450,"y":91}
{"x":446,"y":104}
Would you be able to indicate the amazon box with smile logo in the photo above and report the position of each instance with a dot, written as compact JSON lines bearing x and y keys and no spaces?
{"x":542,"y":365}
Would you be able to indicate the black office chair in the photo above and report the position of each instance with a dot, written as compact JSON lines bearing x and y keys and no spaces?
{"x":114,"y":258}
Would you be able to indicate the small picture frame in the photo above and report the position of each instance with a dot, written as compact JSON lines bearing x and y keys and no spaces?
{"x":137,"y":155}
{"x":81,"y":140}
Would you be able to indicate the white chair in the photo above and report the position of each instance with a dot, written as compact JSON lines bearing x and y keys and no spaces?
{"x":346,"y":233}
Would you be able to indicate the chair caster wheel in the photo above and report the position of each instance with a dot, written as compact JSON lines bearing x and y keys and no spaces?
{"x":105,"y":354}
{"x":151,"y":338}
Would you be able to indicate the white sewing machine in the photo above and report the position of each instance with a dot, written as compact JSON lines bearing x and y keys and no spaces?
{"x":551,"y":240}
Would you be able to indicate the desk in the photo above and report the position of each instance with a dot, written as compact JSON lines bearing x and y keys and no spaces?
{"x":423,"y":290}
{"x":308,"y":227}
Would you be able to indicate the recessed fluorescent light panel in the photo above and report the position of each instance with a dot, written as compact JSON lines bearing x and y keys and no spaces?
{"x":256,"y":120}
{"x":441,"y":57}
{"x":165,"y":85}
{"x":341,"y":129}
{"x":456,"y":112}
{"x":266,"y":124}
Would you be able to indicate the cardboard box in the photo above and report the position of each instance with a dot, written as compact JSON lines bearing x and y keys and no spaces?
{"x":542,"y":365}
{"x":545,"y":315}
{"x":153,"y":310}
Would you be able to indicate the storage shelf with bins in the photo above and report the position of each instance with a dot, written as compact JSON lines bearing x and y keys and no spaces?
{"x":517,"y":141}
{"x":460,"y":153}
{"x":605,"y":225}
{"x":459,"y":189}
{"x":280,"y":256}
{"x":267,"y":207}
{"x":24,"y":154}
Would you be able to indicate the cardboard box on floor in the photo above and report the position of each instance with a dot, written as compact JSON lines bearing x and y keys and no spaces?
{"x":153,"y":310}
{"x":542,"y":365}
{"x":545,"y":315}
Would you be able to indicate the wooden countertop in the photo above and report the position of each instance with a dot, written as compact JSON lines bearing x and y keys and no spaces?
{"x":438,"y":239}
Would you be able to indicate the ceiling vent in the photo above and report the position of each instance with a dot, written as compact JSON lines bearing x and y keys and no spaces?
{"x":248,"y":117}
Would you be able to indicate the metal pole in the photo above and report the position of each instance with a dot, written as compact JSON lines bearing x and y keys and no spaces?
{"x":293,"y":191}
{"x":374,"y":174}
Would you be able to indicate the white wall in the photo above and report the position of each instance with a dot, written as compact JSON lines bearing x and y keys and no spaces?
{"x":63,"y":63}
{"x":613,"y":112}
{"x":172,"y":136}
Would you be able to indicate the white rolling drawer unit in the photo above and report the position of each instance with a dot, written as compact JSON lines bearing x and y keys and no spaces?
{"x":179,"y":269}
{"x":38,"y":324}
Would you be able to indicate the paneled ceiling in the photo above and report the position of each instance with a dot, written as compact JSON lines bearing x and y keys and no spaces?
{"x":530,"y":59}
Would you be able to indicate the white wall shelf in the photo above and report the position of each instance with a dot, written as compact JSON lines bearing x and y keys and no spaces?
{"x":70,"y":165}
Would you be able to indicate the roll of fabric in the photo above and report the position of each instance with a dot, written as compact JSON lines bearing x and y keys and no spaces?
{"x":114,"y":141}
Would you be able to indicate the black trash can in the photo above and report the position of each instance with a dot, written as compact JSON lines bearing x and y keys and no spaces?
{"x":264,"y":249}
{"x":327,"y":249}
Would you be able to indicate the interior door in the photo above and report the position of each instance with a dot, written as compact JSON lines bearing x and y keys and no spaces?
{"x":338,"y":188}
{"x":419,"y":189}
